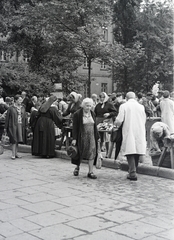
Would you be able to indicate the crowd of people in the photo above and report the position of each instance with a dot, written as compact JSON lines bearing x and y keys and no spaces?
{"x":125,"y":116}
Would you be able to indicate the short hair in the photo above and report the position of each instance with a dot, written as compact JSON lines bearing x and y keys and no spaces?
{"x":94,"y":95}
{"x":139,"y":95}
{"x":130,"y":95}
{"x":119,"y":94}
{"x":87,"y":100}
{"x":65,"y":99}
{"x":166,"y":94}
{"x":8,"y":100}
{"x":16,"y":97}
{"x":149,"y":94}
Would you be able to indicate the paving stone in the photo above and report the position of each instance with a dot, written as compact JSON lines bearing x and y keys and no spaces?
{"x":61,"y":193}
{"x":103,"y":235}
{"x":24,"y":225}
{"x":5,"y":205}
{"x":162,"y":223}
{"x":169,"y":234}
{"x":80,"y":211}
{"x":43,"y":200}
{"x":57,"y":232}
{"x":108,"y":204}
{"x":15,"y":202}
{"x":90,"y":224}
{"x":49,"y":218}
{"x":154,"y":238}
{"x":72,"y":201}
{"x":42,"y":207}
{"x":24,"y":236}
{"x":25,"y":191}
{"x":136,"y":229}
{"x":7,"y":229}
{"x":120,"y":216}
{"x":14,"y":213}
{"x":37,"y":197}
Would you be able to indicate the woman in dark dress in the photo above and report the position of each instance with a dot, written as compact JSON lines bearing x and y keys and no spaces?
{"x":15,"y":125}
{"x":74,"y":105}
{"x":85,"y":137}
{"x":44,"y":131}
{"x":105,"y":111}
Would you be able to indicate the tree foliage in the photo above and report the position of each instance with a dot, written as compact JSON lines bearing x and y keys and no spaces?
{"x":146,"y":32}
{"x":57,"y":35}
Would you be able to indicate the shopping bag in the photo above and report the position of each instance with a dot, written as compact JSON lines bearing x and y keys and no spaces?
{"x":5,"y":141}
{"x":99,"y":161}
{"x":99,"y":158}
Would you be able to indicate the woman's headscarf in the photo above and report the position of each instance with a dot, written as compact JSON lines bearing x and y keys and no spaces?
{"x":46,"y":105}
{"x":76,"y":96}
{"x":105,"y":99}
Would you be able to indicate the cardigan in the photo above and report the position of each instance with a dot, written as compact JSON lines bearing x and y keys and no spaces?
{"x":76,"y":133}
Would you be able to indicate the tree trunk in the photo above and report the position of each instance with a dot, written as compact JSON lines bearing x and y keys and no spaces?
{"x":89,"y":78}
{"x":125,"y":87}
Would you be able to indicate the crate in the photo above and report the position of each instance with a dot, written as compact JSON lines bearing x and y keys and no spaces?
{"x":166,"y":163}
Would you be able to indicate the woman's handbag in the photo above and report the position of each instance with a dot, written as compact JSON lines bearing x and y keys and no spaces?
{"x":5,"y":141}
{"x":72,"y":151}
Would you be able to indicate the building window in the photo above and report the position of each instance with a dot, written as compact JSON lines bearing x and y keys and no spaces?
{"x":3,"y":56}
{"x":104,"y":87}
{"x":105,"y":35}
{"x":85,"y":63}
{"x":103,"y":65}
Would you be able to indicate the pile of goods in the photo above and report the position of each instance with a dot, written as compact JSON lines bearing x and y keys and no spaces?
{"x":105,"y":126}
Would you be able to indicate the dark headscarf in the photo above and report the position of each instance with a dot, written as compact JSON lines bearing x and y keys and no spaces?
{"x":46,"y":105}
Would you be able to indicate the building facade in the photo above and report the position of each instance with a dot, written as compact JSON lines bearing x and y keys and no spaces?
{"x":101,"y":75}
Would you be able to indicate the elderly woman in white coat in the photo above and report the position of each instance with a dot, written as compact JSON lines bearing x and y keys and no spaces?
{"x":133,"y":117}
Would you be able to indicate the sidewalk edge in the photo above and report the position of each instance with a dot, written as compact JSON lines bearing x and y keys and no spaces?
{"x":110,"y":163}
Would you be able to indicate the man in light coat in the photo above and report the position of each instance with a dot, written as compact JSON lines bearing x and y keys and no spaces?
{"x":132,"y":115}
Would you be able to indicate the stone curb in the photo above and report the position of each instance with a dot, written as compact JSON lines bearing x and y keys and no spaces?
{"x":110,"y":163}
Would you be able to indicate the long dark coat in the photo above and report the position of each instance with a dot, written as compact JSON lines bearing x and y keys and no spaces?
{"x":76,"y":133}
{"x":44,"y":133}
{"x":11,"y":124}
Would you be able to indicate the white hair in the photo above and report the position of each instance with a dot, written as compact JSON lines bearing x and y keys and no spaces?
{"x":87,"y":100}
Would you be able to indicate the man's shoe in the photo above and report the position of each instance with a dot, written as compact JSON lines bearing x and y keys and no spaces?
{"x":132,"y":178}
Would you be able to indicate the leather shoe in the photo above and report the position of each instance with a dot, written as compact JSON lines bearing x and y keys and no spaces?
{"x":91,"y":175}
{"x":76,"y":171}
{"x":132,"y":178}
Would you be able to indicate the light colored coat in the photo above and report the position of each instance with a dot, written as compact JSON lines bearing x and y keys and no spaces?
{"x":167,"y":113}
{"x":132,"y":115}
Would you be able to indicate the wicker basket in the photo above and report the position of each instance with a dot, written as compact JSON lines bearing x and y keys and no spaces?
{"x":166,"y":163}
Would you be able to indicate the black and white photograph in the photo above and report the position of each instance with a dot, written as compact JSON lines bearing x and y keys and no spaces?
{"x":86,"y":120}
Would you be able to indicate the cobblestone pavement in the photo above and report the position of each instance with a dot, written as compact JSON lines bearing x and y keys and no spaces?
{"x":41,"y":199}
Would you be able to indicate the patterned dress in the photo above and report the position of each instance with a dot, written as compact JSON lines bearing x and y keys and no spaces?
{"x":88,"y":140}
{"x":19,"y":126}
